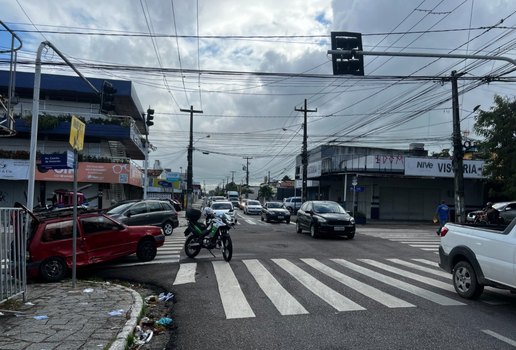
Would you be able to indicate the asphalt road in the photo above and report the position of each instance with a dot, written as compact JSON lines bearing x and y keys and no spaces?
{"x":283,"y":290}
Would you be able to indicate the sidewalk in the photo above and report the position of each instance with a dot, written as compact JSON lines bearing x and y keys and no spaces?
{"x":57,"y":316}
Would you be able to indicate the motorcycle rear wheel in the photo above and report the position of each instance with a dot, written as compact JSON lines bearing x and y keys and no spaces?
{"x":227,"y":248}
{"x":190,"y":251}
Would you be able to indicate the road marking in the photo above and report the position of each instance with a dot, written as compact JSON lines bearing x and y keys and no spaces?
{"x":336,"y":300}
{"x":421,"y":268}
{"x":428,"y":262}
{"x":500,"y":337}
{"x":423,"y":293}
{"x":407,"y":274}
{"x":430,"y":249}
{"x":424,"y":245}
{"x":186,"y":273}
{"x":250,"y":221}
{"x":283,"y":300}
{"x":365,"y":289}
{"x":233,"y":300}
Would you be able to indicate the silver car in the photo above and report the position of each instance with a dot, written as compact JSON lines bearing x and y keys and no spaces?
{"x":224,"y":207}
{"x":253,"y":207}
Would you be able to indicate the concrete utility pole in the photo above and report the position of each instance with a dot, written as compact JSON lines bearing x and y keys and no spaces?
{"x":189,"y":169}
{"x":457,"y":137}
{"x":458,"y":152}
{"x":304,"y":152}
{"x":247,"y":176}
{"x":232,"y":176}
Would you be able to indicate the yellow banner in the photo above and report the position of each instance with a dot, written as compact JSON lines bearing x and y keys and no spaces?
{"x":77,"y":129}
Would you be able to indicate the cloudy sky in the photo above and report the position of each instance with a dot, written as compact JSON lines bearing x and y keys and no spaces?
{"x":248,"y":64}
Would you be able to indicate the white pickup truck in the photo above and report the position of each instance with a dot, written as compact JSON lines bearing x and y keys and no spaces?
{"x":478,"y":257}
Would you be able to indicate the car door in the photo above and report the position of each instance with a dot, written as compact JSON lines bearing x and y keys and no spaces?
{"x":104,"y":238}
{"x":137,"y":215}
{"x":57,"y":240}
{"x":156,"y":213}
{"x":303,"y":215}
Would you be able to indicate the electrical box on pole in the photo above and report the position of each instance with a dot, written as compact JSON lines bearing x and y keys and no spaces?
{"x":347,"y":62}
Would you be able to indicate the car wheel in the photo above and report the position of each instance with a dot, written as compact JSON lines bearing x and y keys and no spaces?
{"x":465,"y":281}
{"x":298,"y":227}
{"x":351,"y":235}
{"x":53,"y":269}
{"x":168,"y":228}
{"x":261,"y":217}
{"x":146,"y":250}
{"x":313,"y":231}
{"x":287,"y":221}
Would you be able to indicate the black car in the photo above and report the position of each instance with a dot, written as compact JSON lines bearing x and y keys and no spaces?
{"x":275,"y":211}
{"x":325,"y":217}
{"x":147,"y":212}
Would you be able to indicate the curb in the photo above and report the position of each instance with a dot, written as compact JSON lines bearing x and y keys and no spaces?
{"x":121,"y":338}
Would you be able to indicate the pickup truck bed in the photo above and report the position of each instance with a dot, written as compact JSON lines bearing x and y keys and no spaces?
{"x":478,"y":257}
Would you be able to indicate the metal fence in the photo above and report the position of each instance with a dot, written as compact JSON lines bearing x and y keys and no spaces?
{"x":13,"y":252}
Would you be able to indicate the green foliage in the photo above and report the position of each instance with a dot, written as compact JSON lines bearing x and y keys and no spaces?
{"x":445,"y":153}
{"x":265,"y":192}
{"x":498,"y":128}
{"x":231,"y":187}
{"x":286,"y":178}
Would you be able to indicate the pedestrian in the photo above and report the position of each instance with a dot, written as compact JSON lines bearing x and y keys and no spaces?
{"x":492,"y":214}
{"x":442,"y":213}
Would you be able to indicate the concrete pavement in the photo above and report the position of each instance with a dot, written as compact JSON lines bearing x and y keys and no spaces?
{"x":58,"y":316}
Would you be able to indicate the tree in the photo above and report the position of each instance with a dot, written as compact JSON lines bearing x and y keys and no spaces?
{"x":265,"y":192}
{"x":498,"y":128}
{"x":286,"y":178}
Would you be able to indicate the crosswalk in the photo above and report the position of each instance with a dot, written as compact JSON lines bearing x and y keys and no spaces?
{"x":421,"y":239}
{"x":169,"y":252}
{"x":416,"y":280}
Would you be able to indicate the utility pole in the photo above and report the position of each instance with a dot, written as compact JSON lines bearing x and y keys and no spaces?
{"x":233,"y":176}
{"x":304,"y":152}
{"x":458,"y":152}
{"x":189,"y":169}
{"x":247,"y":176}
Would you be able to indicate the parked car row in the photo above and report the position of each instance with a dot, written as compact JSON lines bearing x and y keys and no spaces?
{"x":507,"y":212}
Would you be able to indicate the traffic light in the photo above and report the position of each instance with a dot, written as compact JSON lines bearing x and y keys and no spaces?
{"x":150,"y":117}
{"x":107,"y":97}
{"x":348,"y":62}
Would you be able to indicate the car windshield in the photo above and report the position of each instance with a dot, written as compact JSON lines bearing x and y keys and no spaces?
{"x":274,"y":205}
{"x":221,"y":206}
{"x":120,"y":209}
{"x":253,"y":203}
{"x":328,"y":208}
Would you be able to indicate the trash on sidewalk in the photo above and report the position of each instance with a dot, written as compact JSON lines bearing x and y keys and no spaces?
{"x":41,"y":317}
{"x":164,"y":321}
{"x":142,"y":336}
{"x":116,"y":313}
{"x":151,"y":299}
{"x":88,"y":290}
{"x":167,"y":296}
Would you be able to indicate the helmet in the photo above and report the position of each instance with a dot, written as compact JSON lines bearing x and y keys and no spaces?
{"x":489,"y":204}
{"x":209,"y":213}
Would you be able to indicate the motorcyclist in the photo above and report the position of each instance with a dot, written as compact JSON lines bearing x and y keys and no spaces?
{"x":493,"y":215}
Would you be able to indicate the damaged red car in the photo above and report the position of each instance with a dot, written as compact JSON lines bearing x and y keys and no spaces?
{"x":99,"y":239}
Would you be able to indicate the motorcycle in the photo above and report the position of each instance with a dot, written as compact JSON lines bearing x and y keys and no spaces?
{"x":212,"y":235}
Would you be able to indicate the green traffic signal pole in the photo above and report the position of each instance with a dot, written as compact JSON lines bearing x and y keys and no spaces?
{"x":458,"y":168}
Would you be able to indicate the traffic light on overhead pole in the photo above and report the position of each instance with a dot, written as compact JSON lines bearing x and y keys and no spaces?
{"x":107,"y":98}
{"x":348,"y":62}
{"x":150,"y":117}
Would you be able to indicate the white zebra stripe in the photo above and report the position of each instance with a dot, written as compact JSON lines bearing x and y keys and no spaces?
{"x":186,"y":273}
{"x":420,"y":292}
{"x":365,"y":289}
{"x":283,"y":300}
{"x":233,"y":299}
{"x":336,"y":300}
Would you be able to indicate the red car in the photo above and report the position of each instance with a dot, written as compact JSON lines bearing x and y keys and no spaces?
{"x":99,"y":239}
